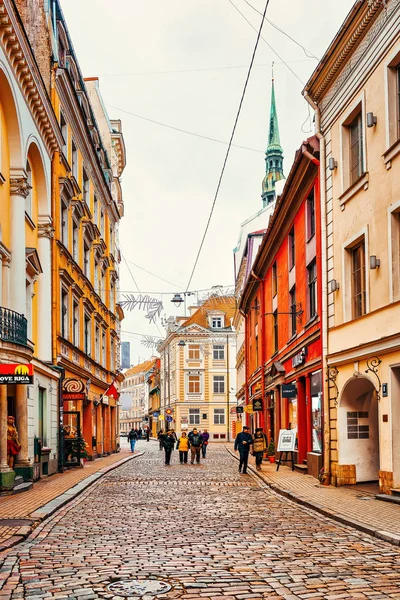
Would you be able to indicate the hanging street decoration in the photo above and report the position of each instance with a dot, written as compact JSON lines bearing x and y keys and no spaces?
{"x":153,"y":306}
{"x":150,"y":341}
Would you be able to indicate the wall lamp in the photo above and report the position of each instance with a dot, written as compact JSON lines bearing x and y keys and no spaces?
{"x":374,"y":263}
{"x":332,"y":164}
{"x":371,"y":119}
{"x":334,"y":285}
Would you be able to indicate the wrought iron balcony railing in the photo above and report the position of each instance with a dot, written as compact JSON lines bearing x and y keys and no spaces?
{"x":13,"y":327}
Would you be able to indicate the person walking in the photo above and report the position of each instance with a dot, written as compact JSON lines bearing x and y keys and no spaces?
{"x":243,"y":441}
{"x":160,"y":436}
{"x":196,"y":442}
{"x":168,"y":443}
{"x":206,"y":436}
{"x":139,"y":433}
{"x":132,"y":439}
{"x":147,"y":434}
{"x":260,"y":445}
{"x":183,"y":447}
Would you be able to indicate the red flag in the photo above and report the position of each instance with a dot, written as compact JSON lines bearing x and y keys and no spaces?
{"x":112,"y":392}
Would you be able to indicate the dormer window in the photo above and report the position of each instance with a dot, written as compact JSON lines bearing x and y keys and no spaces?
{"x":216,"y":322}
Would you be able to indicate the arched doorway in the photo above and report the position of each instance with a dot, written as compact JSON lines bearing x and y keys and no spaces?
{"x":358,"y":428}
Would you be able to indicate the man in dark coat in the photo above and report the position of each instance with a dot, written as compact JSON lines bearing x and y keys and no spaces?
{"x":196,"y":442}
{"x":168,"y":443}
{"x":243,"y":442}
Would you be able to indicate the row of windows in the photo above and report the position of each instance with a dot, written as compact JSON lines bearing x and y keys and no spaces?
{"x":194,"y":416}
{"x":195,"y":381}
{"x":195,"y":352}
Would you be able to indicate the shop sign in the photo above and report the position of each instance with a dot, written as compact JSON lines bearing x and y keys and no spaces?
{"x":299,"y":359}
{"x":156,"y":414}
{"x":74,"y":396}
{"x":257,"y":404}
{"x":239,"y":410}
{"x":161,"y":417}
{"x":248,"y":409}
{"x":16,"y":373}
{"x":257,"y":387}
{"x":289,"y":390}
{"x":233,"y":410}
{"x":73,"y":385}
{"x":286,"y":440}
{"x":169,"y":411}
{"x":104,"y":399}
{"x":184,"y":419}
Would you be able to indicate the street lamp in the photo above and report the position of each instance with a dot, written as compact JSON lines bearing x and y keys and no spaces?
{"x":177,"y":300}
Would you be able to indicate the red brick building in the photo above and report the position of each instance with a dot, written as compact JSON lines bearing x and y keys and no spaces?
{"x":282,"y":307}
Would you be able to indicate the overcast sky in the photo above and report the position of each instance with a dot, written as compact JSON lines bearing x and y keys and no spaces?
{"x":183,"y":63}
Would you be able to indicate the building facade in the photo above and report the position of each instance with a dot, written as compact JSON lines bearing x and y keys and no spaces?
{"x":198,"y":370}
{"x":282,"y":305}
{"x":355,"y":92}
{"x":154,"y":404}
{"x":30,"y":137}
{"x":135,"y":384}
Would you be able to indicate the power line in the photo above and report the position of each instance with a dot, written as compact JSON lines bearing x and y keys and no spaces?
{"x":204,"y":137}
{"x":154,"y":275}
{"x":309,"y":54}
{"x":207,"y":69}
{"x":130,"y":272}
{"x":265,"y":41}
{"x":229,"y":145}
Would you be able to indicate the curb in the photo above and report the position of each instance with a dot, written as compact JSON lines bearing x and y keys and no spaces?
{"x":45,"y":511}
{"x":387,"y":536}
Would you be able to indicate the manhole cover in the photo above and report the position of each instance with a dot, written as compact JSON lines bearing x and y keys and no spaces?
{"x":136,"y":588}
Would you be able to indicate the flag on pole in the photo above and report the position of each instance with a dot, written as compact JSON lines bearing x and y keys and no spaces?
{"x":112,"y":392}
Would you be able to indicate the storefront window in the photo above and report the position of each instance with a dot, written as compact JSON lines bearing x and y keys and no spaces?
{"x":293,"y":413}
{"x":316,"y":406}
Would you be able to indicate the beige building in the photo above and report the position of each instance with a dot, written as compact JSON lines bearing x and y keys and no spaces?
{"x":355,"y":92}
{"x":198,"y":375}
{"x":136,"y":386}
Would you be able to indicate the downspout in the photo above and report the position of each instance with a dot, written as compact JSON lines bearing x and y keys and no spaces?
{"x":263,"y":424}
{"x":324,"y":286}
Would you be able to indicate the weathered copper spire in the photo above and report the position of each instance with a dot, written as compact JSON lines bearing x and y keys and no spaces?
{"x":273,"y":154}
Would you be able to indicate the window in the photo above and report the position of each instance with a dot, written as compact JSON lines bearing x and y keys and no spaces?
{"x":275,"y":330}
{"x":103,"y":348}
{"x":102,"y":223}
{"x":96,"y":277}
{"x":256,"y":342}
{"x":85,"y":187}
{"x":395,"y":250}
{"x":64,"y":132}
{"x":64,"y":224}
{"x":28,"y":199}
{"x":86,"y":260}
{"x":75,"y":329}
{"x":219,"y":384}
{"x":219,"y":416}
{"x":97,"y":343}
{"x":112,"y":355}
{"x":311,"y":215}
{"x":357,"y":425}
{"x":75,"y":240}
{"x":42,"y":412}
{"x":398,"y":100}
{"x":292,"y":307}
{"x":274,"y":280}
{"x":194,"y":384}
{"x":74,"y":161}
{"x":356,"y":148}
{"x":95,"y":210}
{"x":312,"y":289}
{"x":64,"y":313}
{"x":112,"y":297}
{"x":219,"y":352}
{"x":87,"y":332}
{"x":194,"y":416}
{"x":194,"y":352}
{"x":216,"y":322}
{"x":291,"y":249}
{"x":111,"y":240}
{"x":358,"y":279}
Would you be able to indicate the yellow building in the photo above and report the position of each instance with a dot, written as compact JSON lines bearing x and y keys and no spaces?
{"x":355,"y":92}
{"x":198,"y":370}
{"x":29,"y":139}
{"x":135,"y":385}
{"x":87,"y":207}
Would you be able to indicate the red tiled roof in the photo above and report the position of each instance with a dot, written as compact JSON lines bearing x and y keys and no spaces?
{"x":225,"y":304}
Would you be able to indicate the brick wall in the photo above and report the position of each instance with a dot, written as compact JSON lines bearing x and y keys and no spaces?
{"x":385,"y":482}
{"x":343,"y":475}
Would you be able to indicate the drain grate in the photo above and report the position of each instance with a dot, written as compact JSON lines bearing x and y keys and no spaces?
{"x":137,"y":588}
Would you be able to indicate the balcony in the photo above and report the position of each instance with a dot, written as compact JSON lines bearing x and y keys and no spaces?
{"x":13,"y":327}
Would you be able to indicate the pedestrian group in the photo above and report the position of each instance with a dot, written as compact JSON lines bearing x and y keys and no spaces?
{"x":196,"y":442}
{"x":245,"y":442}
{"x":137,"y":434}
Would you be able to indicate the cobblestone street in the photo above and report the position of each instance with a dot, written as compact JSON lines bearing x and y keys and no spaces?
{"x":206,"y":530}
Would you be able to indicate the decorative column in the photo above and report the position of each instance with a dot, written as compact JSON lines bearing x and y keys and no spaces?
{"x":22,"y":463}
{"x":19,"y":190}
{"x":46,"y":233}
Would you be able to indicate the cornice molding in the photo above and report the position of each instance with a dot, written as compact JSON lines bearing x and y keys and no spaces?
{"x":22,"y":61}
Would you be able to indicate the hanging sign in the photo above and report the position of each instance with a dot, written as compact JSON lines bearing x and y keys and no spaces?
{"x":286,"y":440}
{"x":16,"y":373}
{"x":289,"y":390}
{"x":161,"y":417}
{"x":169,"y":411}
{"x":156,"y":414}
{"x":239,"y":410}
{"x":169,"y":419}
{"x":257,"y":404}
{"x":248,"y":409}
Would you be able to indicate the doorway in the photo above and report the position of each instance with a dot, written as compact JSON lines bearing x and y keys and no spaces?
{"x":395,"y":398}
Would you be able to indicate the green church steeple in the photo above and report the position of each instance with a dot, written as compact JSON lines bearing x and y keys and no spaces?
{"x":273,"y":155}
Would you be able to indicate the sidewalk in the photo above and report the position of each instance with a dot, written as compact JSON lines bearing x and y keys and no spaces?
{"x":21,"y":513}
{"x":348,"y":505}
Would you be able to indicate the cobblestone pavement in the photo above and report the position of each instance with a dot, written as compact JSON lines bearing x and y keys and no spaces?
{"x":208,"y":531}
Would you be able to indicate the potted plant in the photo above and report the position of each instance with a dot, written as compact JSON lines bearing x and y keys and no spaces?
{"x":271,"y":451}
{"x":79,"y":449}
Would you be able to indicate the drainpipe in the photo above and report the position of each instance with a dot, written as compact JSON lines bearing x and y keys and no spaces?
{"x":324,"y":285}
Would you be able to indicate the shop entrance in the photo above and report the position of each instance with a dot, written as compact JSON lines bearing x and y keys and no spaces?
{"x":358,"y":428}
{"x":72,"y":438}
{"x":395,"y":396}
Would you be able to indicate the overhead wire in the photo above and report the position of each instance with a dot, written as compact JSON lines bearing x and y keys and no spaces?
{"x":130,"y":272}
{"x":154,"y":275}
{"x":229,"y":145}
{"x":199,"y":135}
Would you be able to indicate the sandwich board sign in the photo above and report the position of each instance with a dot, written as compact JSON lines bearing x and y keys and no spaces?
{"x":287,"y":440}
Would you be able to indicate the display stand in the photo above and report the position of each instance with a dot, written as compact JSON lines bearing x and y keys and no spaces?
{"x":286,"y":452}
{"x":286,"y":445}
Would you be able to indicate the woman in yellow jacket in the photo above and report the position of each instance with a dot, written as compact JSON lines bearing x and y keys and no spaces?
{"x":183,"y":447}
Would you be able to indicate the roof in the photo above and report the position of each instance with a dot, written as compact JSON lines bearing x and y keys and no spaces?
{"x":141,"y":368}
{"x":226,"y":304}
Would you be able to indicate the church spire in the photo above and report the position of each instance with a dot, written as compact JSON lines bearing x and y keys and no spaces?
{"x":273,"y":154}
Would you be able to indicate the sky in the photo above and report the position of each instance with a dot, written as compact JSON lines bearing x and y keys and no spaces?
{"x":183,"y":63}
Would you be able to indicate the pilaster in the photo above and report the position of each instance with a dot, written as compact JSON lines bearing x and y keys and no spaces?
{"x":19,"y":190}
